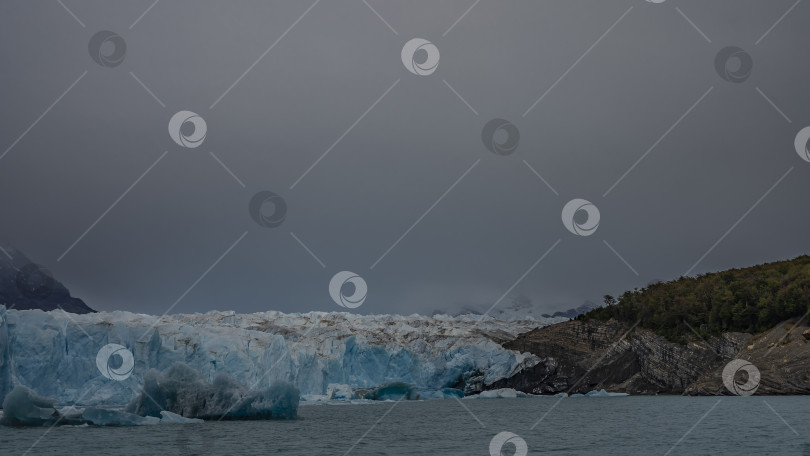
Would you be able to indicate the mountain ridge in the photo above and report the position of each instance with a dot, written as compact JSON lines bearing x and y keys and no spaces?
{"x":25,"y":285}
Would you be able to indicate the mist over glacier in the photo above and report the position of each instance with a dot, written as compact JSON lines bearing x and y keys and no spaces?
{"x":54,"y":353}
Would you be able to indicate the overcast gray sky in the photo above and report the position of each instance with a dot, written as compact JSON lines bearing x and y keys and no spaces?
{"x":619,"y":80}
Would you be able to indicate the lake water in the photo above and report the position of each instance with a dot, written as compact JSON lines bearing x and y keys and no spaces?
{"x":623,"y":426}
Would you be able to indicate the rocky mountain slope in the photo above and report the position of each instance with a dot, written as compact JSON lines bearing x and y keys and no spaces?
{"x":677,"y":337}
{"x":25,"y":285}
{"x":580,"y":356}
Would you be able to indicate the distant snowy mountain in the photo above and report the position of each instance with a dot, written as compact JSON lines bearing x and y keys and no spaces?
{"x":26,"y":285}
{"x":65,"y":356}
{"x":573,"y":313}
{"x":515,"y":308}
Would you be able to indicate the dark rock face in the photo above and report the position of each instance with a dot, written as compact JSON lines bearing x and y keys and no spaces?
{"x":25,"y":285}
{"x":582,"y":356}
{"x":782,"y":355}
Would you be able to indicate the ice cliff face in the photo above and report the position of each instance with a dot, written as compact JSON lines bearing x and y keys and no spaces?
{"x":55,"y":353}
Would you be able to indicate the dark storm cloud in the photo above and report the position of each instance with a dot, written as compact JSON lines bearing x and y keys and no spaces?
{"x":719,"y":146}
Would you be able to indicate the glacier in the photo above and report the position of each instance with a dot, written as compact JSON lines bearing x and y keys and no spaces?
{"x":62,"y":355}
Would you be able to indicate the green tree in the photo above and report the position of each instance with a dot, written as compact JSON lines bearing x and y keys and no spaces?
{"x":747,"y":300}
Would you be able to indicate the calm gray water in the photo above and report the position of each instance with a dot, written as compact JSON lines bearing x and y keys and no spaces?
{"x":579,"y":426}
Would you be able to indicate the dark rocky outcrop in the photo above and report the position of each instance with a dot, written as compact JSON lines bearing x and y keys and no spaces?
{"x":580,"y":356}
{"x":25,"y":285}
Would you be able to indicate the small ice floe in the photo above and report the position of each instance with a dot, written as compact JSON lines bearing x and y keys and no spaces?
{"x":104,"y":417}
{"x":443,"y":393}
{"x":600,"y":393}
{"x":167,"y":417}
{"x":502,"y":393}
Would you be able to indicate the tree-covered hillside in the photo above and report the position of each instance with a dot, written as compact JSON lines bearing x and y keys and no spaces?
{"x":746,"y":300}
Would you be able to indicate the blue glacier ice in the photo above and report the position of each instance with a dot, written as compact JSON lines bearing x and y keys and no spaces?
{"x":443,"y":393}
{"x":63,"y":356}
{"x":178,"y":396}
{"x":183,"y":391}
{"x":23,"y":407}
{"x":393,"y":391}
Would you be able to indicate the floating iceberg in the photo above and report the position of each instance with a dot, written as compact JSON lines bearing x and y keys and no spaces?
{"x":443,"y":393}
{"x":499,"y":394}
{"x":338,"y":392}
{"x":502,"y":393}
{"x":313,"y":398}
{"x":167,"y":417}
{"x":600,"y":393}
{"x":603,"y":393}
{"x":103,"y":417}
{"x":23,"y":407}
